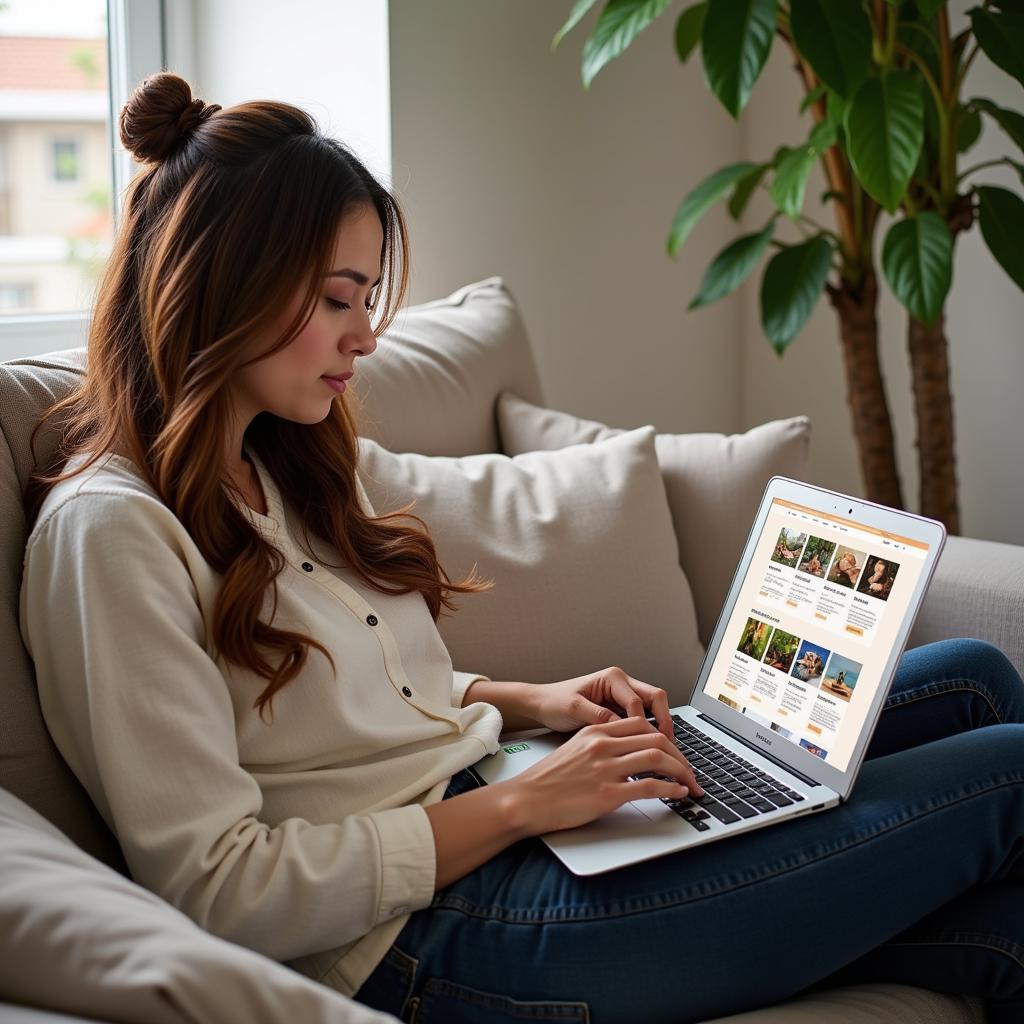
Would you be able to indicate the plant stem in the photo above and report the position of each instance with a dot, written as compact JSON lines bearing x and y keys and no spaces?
{"x":945,"y":56}
{"x":929,"y":189}
{"x":925,"y":71}
{"x":821,"y":229}
{"x":962,"y":74}
{"x":981,"y":166}
{"x":832,"y":160}
{"x":891,"y":24}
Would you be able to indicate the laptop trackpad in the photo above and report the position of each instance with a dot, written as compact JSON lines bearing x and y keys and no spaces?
{"x":654,"y":810}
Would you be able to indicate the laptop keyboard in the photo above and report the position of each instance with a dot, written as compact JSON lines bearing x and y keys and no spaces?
{"x":733,"y":788}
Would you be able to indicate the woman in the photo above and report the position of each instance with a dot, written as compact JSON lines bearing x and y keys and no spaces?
{"x":241,"y":664}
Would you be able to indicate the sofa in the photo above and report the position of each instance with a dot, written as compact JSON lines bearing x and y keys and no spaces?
{"x":80,"y":940}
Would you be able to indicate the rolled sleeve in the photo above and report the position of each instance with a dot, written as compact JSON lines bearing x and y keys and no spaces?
{"x":408,"y":860}
{"x":461,"y":682}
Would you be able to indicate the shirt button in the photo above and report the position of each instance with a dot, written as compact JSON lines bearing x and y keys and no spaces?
{"x":407,"y":691}
{"x":308,"y":566}
{"x":371,"y":619}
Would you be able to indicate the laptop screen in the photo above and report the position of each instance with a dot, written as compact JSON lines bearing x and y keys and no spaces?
{"x":816,"y":618}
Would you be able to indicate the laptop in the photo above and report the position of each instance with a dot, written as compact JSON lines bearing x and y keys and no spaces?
{"x":792,"y":684}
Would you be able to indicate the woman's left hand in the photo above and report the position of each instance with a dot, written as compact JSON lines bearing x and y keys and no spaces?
{"x":596,"y":697}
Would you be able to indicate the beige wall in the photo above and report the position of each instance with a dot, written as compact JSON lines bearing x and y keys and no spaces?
{"x":506,"y":166}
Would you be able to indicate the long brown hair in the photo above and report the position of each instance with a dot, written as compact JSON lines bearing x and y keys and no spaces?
{"x":236,"y":212}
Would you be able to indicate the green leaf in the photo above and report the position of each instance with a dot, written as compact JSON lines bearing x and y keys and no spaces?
{"x":618,"y":25}
{"x":744,"y":190}
{"x":1009,"y":120}
{"x":737,"y":38}
{"x":928,"y":8}
{"x":884,"y":131}
{"x":791,"y":287}
{"x":733,"y":265}
{"x":688,"y":30}
{"x":790,"y":181}
{"x":917,"y":259}
{"x":835,"y":37}
{"x":1001,"y":216}
{"x":1001,"y":36}
{"x":836,"y":107}
{"x":1018,"y":167}
{"x":579,"y":9}
{"x":813,"y":96}
{"x":701,"y":199}
{"x":968,"y":129}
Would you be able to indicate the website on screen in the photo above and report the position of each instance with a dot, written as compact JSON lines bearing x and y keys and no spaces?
{"x":816,"y":619}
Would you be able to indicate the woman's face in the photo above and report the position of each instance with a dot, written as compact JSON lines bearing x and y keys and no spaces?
{"x":290,"y":383}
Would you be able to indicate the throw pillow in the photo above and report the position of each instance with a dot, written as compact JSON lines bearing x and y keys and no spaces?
{"x":580,"y":545}
{"x":714,"y":483}
{"x":79,"y":938}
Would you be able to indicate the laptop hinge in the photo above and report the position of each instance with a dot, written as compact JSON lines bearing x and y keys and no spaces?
{"x":750,"y":746}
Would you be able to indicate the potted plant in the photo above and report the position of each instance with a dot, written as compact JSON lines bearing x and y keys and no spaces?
{"x":883,"y":85}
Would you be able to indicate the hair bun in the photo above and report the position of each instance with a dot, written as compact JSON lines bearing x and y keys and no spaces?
{"x":160,"y":116}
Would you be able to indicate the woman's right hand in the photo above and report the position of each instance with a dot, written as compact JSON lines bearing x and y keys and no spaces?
{"x":588,"y":775}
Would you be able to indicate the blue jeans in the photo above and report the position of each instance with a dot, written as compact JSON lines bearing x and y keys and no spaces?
{"x":918,"y":879}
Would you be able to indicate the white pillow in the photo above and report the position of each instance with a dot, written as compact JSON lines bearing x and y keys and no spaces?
{"x":76,"y":937}
{"x":580,"y":545}
{"x":714,"y":483}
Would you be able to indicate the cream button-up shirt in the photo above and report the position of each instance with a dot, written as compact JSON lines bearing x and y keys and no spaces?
{"x":305,"y":838}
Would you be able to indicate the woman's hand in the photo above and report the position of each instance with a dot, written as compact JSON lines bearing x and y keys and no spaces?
{"x":596,"y":698}
{"x":589,"y":775}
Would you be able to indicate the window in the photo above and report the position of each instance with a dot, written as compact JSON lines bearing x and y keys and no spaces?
{"x":66,"y":64}
{"x":15,"y":296}
{"x":65,"y":161}
{"x":56,"y":181}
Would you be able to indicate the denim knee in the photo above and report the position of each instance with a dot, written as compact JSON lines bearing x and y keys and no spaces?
{"x":978,"y":660}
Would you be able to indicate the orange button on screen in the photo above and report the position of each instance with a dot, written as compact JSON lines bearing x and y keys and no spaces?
{"x":855,"y":629}
{"x":818,"y":615}
{"x":814,"y":728}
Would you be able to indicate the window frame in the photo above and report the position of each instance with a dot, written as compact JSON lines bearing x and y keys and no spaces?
{"x":141,"y":34}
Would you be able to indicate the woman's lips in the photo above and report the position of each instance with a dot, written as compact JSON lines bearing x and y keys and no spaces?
{"x":337,"y":384}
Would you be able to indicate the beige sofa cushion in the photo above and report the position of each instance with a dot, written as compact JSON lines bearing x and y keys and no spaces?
{"x":714,"y":483}
{"x":581,"y":546}
{"x":431,"y":384}
{"x":77,"y":937}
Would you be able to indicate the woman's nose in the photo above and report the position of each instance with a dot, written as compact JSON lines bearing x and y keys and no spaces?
{"x":364,"y":338}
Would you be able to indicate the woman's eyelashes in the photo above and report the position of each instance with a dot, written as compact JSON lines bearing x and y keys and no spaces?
{"x":336,"y":304}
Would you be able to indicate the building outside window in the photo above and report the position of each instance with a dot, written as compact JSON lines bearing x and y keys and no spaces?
{"x":56,"y":188}
{"x":65,"y":161}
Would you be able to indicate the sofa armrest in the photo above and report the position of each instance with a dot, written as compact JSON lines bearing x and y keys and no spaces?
{"x":977,"y":590}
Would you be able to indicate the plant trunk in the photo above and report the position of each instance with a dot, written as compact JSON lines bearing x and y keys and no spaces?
{"x":856,"y":306}
{"x":933,"y":407}
{"x":933,"y":401}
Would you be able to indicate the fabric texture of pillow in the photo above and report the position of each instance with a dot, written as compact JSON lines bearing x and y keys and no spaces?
{"x":581,"y":548}
{"x":714,"y":483}
{"x":76,"y":937}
